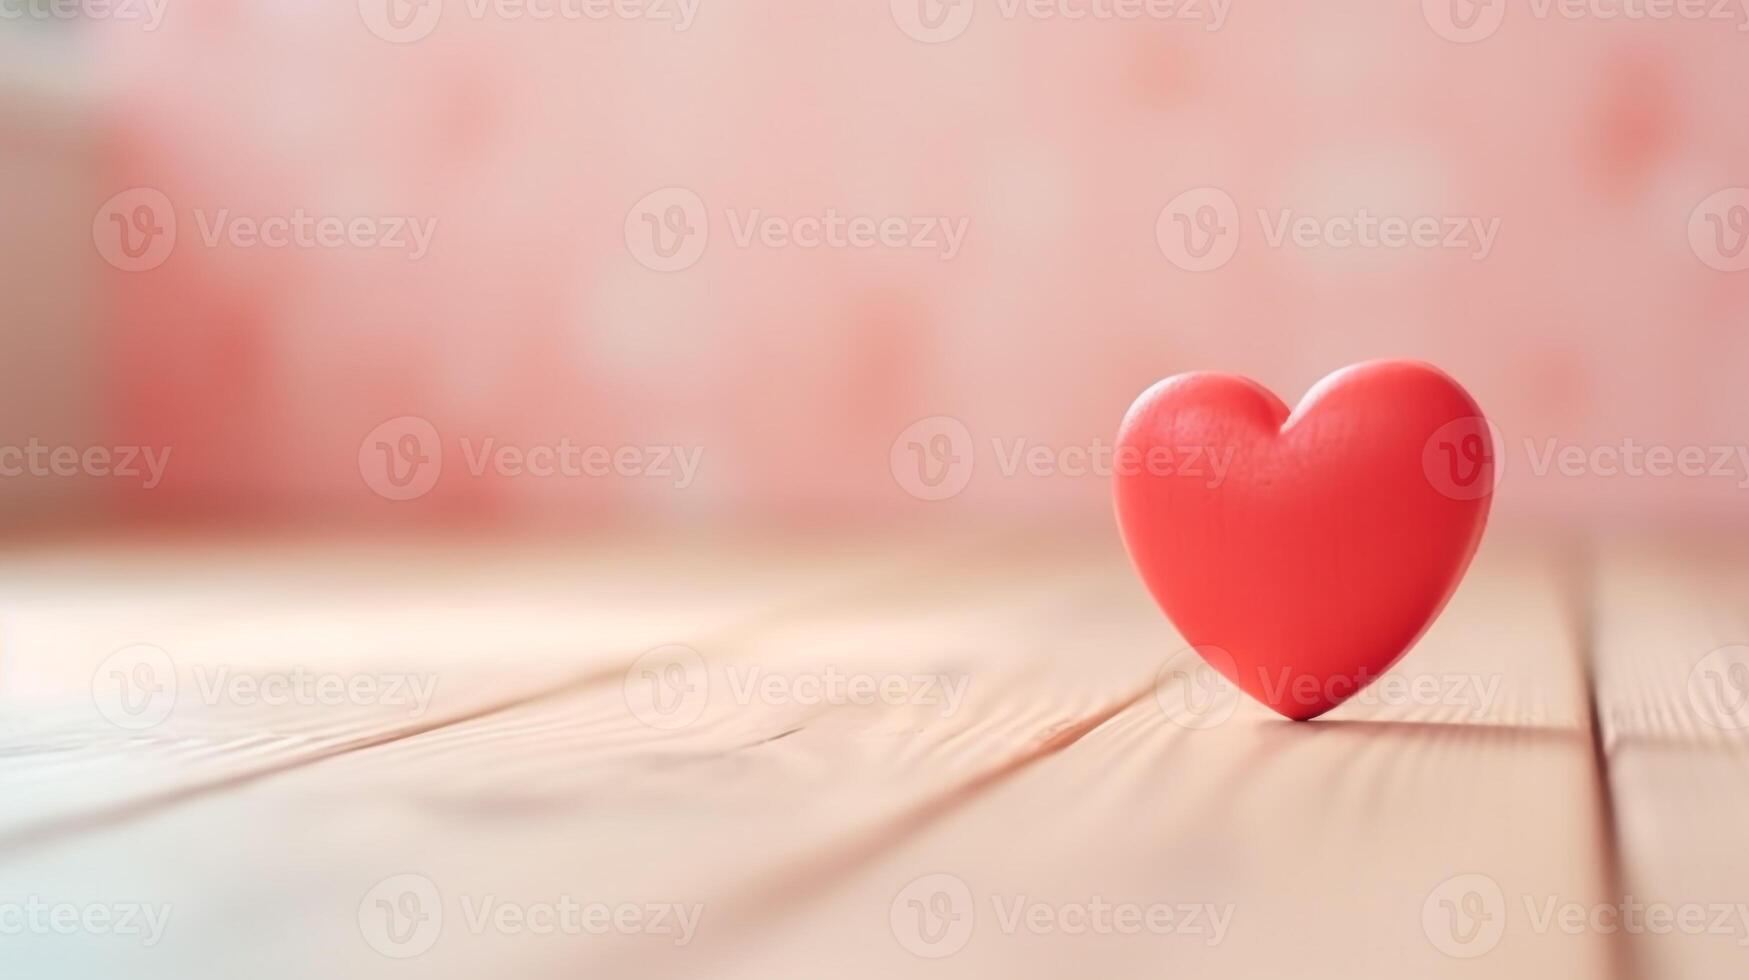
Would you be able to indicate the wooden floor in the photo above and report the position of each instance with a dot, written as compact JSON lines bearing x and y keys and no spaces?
{"x":635,"y":763}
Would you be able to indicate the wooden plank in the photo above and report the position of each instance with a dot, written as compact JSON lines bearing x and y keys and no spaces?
{"x":577,"y":796}
{"x":1329,"y":846}
{"x":794,"y":827}
{"x":435,"y":634}
{"x":1673,"y":688}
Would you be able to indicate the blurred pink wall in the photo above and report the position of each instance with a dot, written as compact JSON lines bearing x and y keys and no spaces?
{"x":1058,"y":142}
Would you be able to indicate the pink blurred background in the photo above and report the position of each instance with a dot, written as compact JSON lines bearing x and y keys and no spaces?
{"x":1593,"y":320}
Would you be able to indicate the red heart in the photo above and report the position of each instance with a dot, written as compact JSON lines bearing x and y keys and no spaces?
{"x":1303,"y":554}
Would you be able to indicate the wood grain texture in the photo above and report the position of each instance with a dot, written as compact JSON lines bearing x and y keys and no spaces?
{"x":1673,"y":690}
{"x":1071,"y":772}
{"x":482,"y":627}
{"x":1322,"y":843}
{"x":574,"y":796}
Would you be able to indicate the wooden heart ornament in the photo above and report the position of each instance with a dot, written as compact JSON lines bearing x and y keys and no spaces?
{"x":1303,"y":553}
